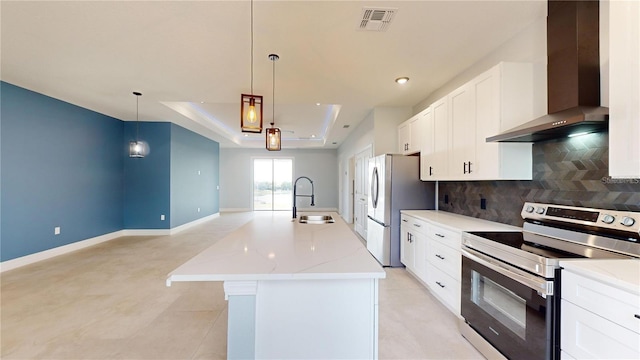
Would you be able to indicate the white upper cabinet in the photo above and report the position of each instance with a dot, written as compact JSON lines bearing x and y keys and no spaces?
{"x":404,"y":137}
{"x":506,"y":96}
{"x":624,"y":89}
{"x":428,"y":146}
{"x":435,"y":156}
{"x":410,"y":134}
{"x":462,"y":120}
{"x":499,"y":99}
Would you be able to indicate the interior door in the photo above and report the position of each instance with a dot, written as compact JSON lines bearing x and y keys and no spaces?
{"x":361,"y":192}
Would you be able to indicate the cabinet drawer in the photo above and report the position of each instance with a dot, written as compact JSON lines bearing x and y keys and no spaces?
{"x":447,"y":237}
{"x":444,"y":287}
{"x":415,"y":225}
{"x":607,"y":301}
{"x":444,"y":258}
{"x":586,"y":335}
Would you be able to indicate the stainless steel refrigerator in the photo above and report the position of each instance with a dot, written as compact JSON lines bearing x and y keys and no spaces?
{"x":395,"y":185}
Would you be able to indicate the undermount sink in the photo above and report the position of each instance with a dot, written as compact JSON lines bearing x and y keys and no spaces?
{"x":316,"y":219}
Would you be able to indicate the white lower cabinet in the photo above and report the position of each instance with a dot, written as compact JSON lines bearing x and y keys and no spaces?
{"x":412,"y":246}
{"x":598,"y":321}
{"x":432,"y":254}
{"x":444,"y":287}
{"x":444,"y":261}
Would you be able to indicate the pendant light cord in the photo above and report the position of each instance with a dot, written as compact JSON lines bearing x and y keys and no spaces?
{"x":251,"y":47}
{"x":137,"y":119}
{"x":137,"y":94}
{"x":273,"y":105}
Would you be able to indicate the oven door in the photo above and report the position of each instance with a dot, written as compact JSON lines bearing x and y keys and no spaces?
{"x":511,"y":309}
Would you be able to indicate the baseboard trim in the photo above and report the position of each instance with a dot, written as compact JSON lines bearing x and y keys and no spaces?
{"x":235,"y":210}
{"x":315,"y":209}
{"x":193,"y":223}
{"x":306,"y":209}
{"x":65,"y":249}
{"x":60,"y":250}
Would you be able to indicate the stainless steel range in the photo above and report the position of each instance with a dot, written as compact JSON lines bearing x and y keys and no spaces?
{"x":510,"y":280}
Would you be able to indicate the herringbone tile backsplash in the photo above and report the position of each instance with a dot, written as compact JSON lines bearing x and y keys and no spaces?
{"x":572,"y":171}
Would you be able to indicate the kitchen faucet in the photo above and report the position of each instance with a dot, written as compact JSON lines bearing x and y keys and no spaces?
{"x":295,"y":195}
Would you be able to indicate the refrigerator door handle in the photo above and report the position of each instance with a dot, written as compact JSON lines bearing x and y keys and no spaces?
{"x":377,"y":222}
{"x":374,"y":187}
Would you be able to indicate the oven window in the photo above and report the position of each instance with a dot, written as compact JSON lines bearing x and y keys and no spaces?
{"x":500,"y":303}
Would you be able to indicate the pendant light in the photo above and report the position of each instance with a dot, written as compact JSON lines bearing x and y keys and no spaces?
{"x":138,"y":149}
{"x":250,"y":104}
{"x":274,"y":136}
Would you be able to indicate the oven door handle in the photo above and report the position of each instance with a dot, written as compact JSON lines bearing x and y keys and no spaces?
{"x":541,"y":285}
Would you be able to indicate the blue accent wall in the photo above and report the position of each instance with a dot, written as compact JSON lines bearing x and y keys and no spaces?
{"x":194,"y":176}
{"x":147,"y":180}
{"x":61,"y":165}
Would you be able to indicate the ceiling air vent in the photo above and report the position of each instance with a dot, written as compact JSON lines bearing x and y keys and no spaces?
{"x":376,"y":19}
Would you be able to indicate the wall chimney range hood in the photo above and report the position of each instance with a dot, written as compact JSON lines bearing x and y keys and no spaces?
{"x":573,"y":76}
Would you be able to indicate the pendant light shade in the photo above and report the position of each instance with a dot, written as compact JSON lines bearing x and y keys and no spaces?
{"x":251,"y":113}
{"x":274,"y":135}
{"x":273,"y":139}
{"x":138,"y":148}
{"x":250,"y":104}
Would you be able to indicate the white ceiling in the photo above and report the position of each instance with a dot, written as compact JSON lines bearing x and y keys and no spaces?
{"x":191,"y":59}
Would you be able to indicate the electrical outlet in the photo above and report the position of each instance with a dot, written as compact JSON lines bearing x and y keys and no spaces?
{"x":162,"y":217}
{"x":198,"y":172}
{"x":198,"y":209}
{"x":218,"y":187}
{"x":483,"y":203}
{"x":56,"y":230}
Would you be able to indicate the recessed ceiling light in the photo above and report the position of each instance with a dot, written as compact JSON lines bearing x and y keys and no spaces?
{"x":402,"y":80}
{"x":313,"y":136}
{"x":317,"y":104}
{"x":246,"y":135}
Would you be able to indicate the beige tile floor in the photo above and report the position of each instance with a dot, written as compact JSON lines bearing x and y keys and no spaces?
{"x":110,"y":301}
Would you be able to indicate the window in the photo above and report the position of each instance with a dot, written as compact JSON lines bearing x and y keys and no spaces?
{"x":272,"y":184}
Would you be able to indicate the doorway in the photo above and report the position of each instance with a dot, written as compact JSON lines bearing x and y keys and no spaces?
{"x":272,"y":184}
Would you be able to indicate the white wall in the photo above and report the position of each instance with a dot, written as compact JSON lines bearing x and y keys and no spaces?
{"x":236,"y":176}
{"x":378,"y":130}
{"x":530,"y":45}
{"x":386,"y":121}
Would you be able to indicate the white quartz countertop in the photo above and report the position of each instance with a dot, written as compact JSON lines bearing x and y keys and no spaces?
{"x":272,"y":247}
{"x":458,"y":222}
{"x":623,"y":274}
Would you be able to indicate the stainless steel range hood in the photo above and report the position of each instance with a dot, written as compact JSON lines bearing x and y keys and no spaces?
{"x":573,"y":76}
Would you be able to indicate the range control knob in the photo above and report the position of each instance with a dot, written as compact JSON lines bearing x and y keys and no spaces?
{"x":540,"y":210}
{"x":608,"y":219}
{"x":529,"y":209}
{"x":627,"y":221}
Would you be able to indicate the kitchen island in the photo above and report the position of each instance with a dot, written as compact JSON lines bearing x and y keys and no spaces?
{"x":294,"y":290}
